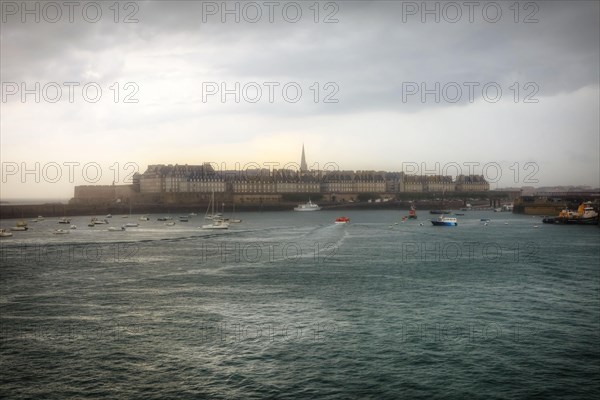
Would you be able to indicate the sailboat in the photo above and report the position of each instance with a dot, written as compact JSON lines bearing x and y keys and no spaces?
{"x":234,"y":220}
{"x":218,"y":222}
{"x":131,"y":224}
{"x":211,"y":208}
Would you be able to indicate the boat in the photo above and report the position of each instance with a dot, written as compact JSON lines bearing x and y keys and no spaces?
{"x":210,"y":210}
{"x":5,"y":233}
{"x":192,"y":214}
{"x":91,"y":224}
{"x":170,"y":223}
{"x":40,"y":218}
{"x":64,"y":220}
{"x":234,"y":220}
{"x":585,"y":215}
{"x":97,"y":221}
{"x":113,"y":229}
{"x":461,"y":214}
{"x":217,"y":224}
{"x":108,"y":215}
{"x":144,"y":218}
{"x":485,"y":220}
{"x":183,"y":219}
{"x":164,"y":218}
{"x":60,"y":232}
{"x":310,"y":206}
{"x":444,"y":221}
{"x":441,"y":211}
{"x":18,"y":228}
{"x":342,"y":220}
{"x":132,"y":225}
{"x":73,"y":227}
{"x":412,"y":213}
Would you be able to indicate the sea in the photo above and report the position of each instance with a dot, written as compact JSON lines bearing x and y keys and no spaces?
{"x":289,"y":305}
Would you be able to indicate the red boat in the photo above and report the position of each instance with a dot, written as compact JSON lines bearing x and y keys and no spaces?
{"x":342,"y":220}
{"x":412,"y":213}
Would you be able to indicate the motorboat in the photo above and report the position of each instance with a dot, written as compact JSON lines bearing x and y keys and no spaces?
{"x":342,"y":220}
{"x":64,"y":220}
{"x":183,"y":219}
{"x":5,"y":233}
{"x":73,"y":227}
{"x":444,"y":221}
{"x":144,"y":218}
{"x":412,"y":213}
{"x":60,"y":232}
{"x":132,"y":225}
{"x":114,"y":229}
{"x":585,"y":215}
{"x":310,"y":206}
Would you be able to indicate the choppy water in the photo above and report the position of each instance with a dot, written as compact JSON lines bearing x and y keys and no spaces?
{"x":289,"y":305}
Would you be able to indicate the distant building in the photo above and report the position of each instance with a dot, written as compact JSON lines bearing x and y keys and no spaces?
{"x":197,"y":181}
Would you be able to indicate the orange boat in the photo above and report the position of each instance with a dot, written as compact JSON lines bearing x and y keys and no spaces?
{"x":342,"y":220}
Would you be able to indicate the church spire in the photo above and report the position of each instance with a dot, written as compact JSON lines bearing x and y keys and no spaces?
{"x":303,"y":166}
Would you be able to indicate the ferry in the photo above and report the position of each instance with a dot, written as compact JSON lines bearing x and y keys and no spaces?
{"x":444,"y":221}
{"x":310,"y":206}
{"x":342,"y":220}
{"x":585,"y":215}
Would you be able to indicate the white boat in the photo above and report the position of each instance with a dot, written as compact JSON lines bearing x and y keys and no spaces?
{"x":60,"y":232}
{"x":217,"y":224}
{"x":211,"y":207}
{"x":64,"y":220}
{"x":5,"y":233}
{"x":132,"y":225}
{"x":108,"y":215}
{"x":144,"y":218}
{"x":40,"y":218}
{"x":73,"y":227}
{"x":97,"y":221}
{"x":113,"y":229}
{"x":310,"y":206}
{"x":444,"y":221}
{"x":170,"y":223}
{"x":234,"y":220}
{"x":18,"y":228}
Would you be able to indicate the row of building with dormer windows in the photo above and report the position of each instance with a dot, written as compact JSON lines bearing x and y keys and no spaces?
{"x":204,"y":179}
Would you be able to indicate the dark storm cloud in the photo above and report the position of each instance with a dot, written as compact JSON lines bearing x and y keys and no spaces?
{"x":371,"y":52}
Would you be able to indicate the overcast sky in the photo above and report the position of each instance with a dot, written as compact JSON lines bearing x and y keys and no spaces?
{"x":510,"y":90}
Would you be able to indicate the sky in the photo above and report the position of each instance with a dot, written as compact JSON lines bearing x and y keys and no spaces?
{"x":94,"y":91}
